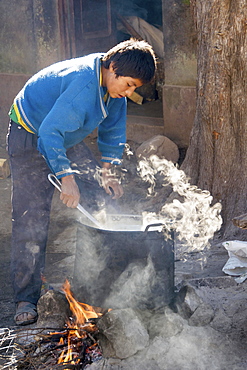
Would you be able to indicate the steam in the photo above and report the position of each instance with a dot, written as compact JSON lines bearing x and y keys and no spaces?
{"x":133,"y":287}
{"x":191,"y":215}
{"x":94,"y":263}
{"x":185,"y":211}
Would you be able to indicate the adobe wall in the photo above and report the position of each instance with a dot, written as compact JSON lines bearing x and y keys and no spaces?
{"x":17,"y":38}
{"x":30,"y":40}
{"x":10,"y":85}
{"x":179,"y":104}
{"x":180,"y":64}
{"x":29,"y":35}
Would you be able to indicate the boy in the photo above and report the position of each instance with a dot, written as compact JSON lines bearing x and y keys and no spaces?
{"x":56,"y":109}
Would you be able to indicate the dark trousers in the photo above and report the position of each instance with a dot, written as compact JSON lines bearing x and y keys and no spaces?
{"x":31,"y":204}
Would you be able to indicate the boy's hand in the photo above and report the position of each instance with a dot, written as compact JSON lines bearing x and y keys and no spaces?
{"x":70,"y":194}
{"x":110,"y":183}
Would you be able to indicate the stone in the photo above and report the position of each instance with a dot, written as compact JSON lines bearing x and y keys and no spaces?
{"x":106,"y":346}
{"x":195,"y":348}
{"x":202,"y":316}
{"x":187,"y":301}
{"x":4,"y":168}
{"x":139,"y":362}
{"x":240,"y":221}
{"x":158,"y":145}
{"x":165,"y":324}
{"x":221,"y":322}
{"x":124,"y":329}
{"x":53,"y":310}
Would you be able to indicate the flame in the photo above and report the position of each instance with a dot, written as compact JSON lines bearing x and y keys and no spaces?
{"x":82,"y":312}
{"x":79,"y":327}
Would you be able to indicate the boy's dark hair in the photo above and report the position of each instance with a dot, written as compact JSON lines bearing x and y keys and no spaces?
{"x":132,"y":58}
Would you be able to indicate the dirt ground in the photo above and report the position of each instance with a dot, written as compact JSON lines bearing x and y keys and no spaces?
{"x":202,"y":270}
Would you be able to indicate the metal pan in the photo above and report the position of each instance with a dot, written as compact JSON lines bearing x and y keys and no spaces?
{"x":113,"y":222}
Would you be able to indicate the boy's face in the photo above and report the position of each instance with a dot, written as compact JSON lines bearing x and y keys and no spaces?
{"x":121,"y":86}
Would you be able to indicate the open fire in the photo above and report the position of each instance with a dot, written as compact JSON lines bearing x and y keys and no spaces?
{"x":78,"y":344}
{"x":73,"y":347}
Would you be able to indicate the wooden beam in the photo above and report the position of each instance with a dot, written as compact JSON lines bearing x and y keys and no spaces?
{"x":136,"y":98}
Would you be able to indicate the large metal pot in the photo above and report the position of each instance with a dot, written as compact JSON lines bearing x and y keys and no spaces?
{"x":120,"y":269}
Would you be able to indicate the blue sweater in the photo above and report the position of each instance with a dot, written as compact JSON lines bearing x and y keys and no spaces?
{"x":63,"y":103}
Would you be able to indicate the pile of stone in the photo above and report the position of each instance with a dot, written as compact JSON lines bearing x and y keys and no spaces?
{"x":189,"y":335}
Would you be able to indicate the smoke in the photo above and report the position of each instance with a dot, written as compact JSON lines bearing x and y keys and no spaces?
{"x":89,"y":263}
{"x":133,"y":287}
{"x":189,"y":211}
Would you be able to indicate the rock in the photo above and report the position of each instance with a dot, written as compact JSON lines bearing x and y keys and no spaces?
{"x":195,"y":348}
{"x":158,"y":145}
{"x":98,"y":365}
{"x":202,"y":316}
{"x":4,"y":168}
{"x":240,"y":221}
{"x":106,"y":346}
{"x":125,"y":331}
{"x":158,"y":347}
{"x":106,"y":364}
{"x":187,"y":301}
{"x":147,"y":358}
{"x":165,"y":324}
{"x":221,"y":322}
{"x":53,"y":310}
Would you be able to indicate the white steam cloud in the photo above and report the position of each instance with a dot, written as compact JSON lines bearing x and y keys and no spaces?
{"x":132,"y":287}
{"x":192,"y":217}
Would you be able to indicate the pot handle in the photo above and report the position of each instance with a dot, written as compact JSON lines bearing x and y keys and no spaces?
{"x":52,"y":178}
{"x":153,"y":225}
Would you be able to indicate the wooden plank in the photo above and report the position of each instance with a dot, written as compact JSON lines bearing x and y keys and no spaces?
{"x":136,"y":98}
